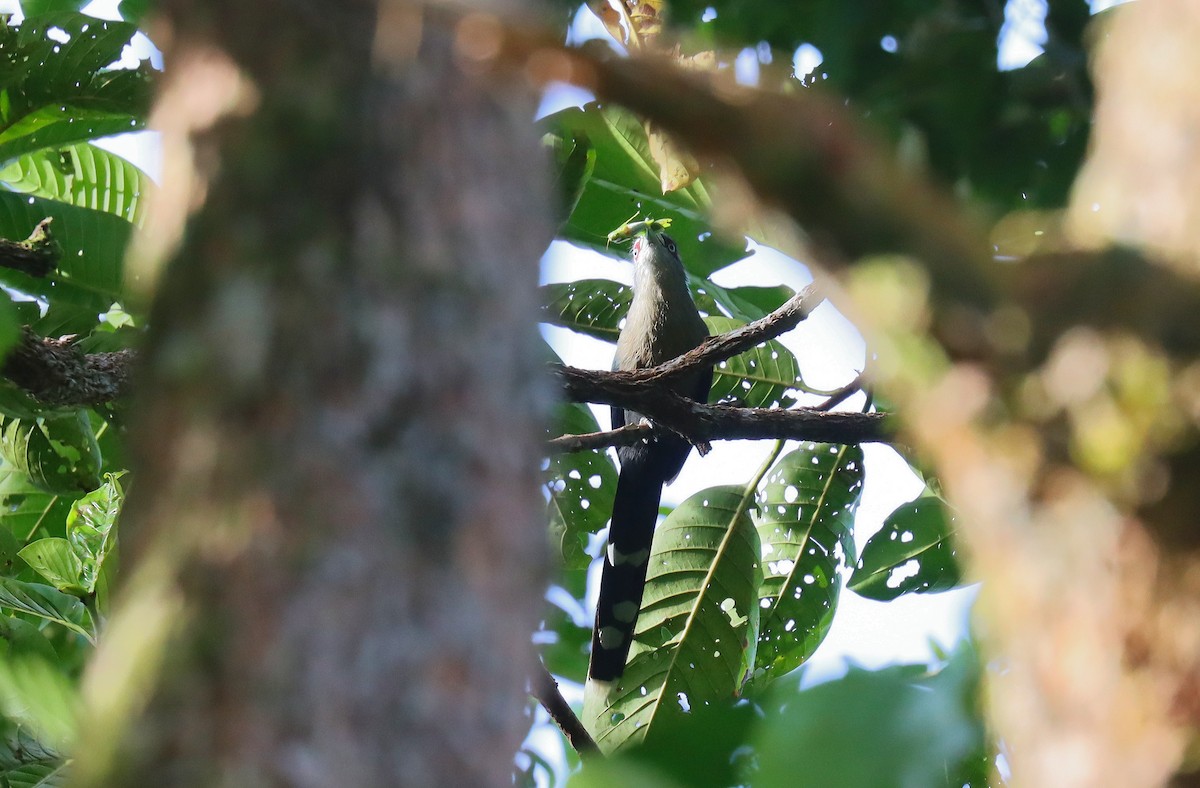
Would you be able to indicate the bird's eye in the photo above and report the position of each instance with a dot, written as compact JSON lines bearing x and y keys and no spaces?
{"x":671,"y":247}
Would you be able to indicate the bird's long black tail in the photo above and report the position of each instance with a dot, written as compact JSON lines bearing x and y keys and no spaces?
{"x":635,"y":510}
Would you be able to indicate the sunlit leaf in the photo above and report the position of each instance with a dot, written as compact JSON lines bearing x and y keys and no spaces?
{"x":82,"y":175}
{"x":805,"y":521}
{"x":90,"y":526}
{"x":762,"y":377}
{"x":53,"y":559}
{"x":698,"y":614}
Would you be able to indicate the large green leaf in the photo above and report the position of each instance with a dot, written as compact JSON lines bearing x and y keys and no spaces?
{"x":581,"y":486}
{"x":48,"y":603}
{"x":53,"y":559}
{"x":90,"y":528}
{"x":762,"y":377}
{"x":698,"y":614}
{"x":590,"y":306}
{"x":93,"y":244}
{"x":36,"y":693}
{"x":901,"y":726}
{"x":625,"y":180}
{"x":805,"y":521}
{"x":81,"y":175}
{"x":913,"y":552}
{"x":57,"y":452}
{"x":55,"y":91}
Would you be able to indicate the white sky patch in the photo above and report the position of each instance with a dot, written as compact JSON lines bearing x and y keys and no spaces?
{"x":745,"y":66}
{"x":1023,"y":33}
{"x":806,"y":58}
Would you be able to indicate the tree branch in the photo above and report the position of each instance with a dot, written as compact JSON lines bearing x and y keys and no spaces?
{"x":37,"y":255}
{"x":699,"y":422}
{"x":56,"y":372}
{"x":716,"y":349}
{"x":543,"y":687}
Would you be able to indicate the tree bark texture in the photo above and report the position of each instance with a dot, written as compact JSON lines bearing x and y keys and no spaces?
{"x":336,"y":533}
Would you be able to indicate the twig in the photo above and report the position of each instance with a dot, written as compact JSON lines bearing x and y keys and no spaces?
{"x":624,"y":436}
{"x":543,"y":687}
{"x":840,"y":395}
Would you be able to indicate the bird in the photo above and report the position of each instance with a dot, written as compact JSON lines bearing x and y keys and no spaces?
{"x":662,"y":323}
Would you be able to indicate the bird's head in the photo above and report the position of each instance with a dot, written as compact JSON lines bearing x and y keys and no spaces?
{"x":657,"y":250}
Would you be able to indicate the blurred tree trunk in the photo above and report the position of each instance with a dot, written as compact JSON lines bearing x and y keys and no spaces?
{"x":334,"y":546}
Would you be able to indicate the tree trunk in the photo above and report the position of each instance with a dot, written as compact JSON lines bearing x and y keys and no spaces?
{"x":335,"y":540}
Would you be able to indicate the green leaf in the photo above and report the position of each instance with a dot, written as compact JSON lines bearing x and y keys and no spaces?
{"x":805,"y":521}
{"x":761,"y":377}
{"x":51,"y":126}
{"x":90,"y":275}
{"x":913,"y":552}
{"x":34,"y":692}
{"x":82,"y":175}
{"x":581,"y":486}
{"x":48,"y":603}
{"x":698,"y":613}
{"x":53,"y":559}
{"x":625,"y":180}
{"x":758,"y":302}
{"x":58,"y":452}
{"x":576,"y":159}
{"x":594,"y":307}
{"x":26,"y":511}
{"x":90,"y":526}
{"x":26,"y":762}
{"x":894,"y":727}
{"x":36,"y":7}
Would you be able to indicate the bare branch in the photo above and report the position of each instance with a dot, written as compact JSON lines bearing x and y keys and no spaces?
{"x":543,"y":687}
{"x":625,"y":436}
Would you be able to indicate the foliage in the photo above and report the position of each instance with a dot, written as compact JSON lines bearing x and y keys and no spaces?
{"x":61,"y":469}
{"x":925,"y":79}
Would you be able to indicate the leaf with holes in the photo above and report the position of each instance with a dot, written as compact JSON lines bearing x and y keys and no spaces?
{"x":82,"y":175}
{"x":580,"y":486}
{"x":698,"y":615}
{"x":71,"y":95}
{"x":590,"y":306}
{"x":761,"y":377}
{"x":48,"y":603}
{"x":805,"y":521}
{"x":912,"y":553}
